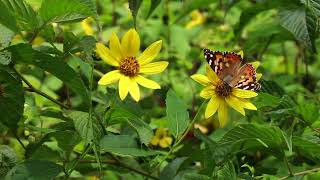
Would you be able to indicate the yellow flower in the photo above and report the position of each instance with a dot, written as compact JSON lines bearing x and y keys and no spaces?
{"x":196,"y":19}
{"x":221,"y":95}
{"x":130,"y":67}
{"x":86,"y":25}
{"x":161,"y":138}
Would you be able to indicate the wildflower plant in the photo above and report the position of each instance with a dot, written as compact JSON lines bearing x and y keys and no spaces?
{"x":87,"y":92}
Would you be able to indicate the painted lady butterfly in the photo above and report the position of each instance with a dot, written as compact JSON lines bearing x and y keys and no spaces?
{"x":232,"y":69}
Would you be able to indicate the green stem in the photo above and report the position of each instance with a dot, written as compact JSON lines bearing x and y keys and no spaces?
{"x":291,"y":174}
{"x":33,"y":89}
{"x":18,"y":139}
{"x":301,"y":173}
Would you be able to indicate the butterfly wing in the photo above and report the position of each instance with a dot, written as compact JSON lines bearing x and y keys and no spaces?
{"x":246,"y":79}
{"x":223,"y":64}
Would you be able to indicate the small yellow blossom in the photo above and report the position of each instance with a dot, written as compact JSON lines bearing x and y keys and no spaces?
{"x":130,"y":67}
{"x":86,"y":25}
{"x":161,"y":138}
{"x":221,"y":95}
{"x":196,"y":19}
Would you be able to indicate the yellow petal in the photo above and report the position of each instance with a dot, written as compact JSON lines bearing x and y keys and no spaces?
{"x":212,"y":107}
{"x":147,"y":82}
{"x":223,"y":113}
{"x":150,"y":53}
{"x":134,"y":90}
{"x":202,"y":79}
{"x":165,"y":142}
{"x":123,"y":86}
{"x":247,"y":104}
{"x":110,"y":77}
{"x":259,"y":75}
{"x":241,"y":53}
{"x":115,"y":46}
{"x":130,"y":43}
{"x":211,"y":74}
{"x":155,"y":140}
{"x":106,"y":55}
{"x":243,"y":93}
{"x":207,"y":92}
{"x":154,"y":68}
{"x":255,"y":64}
{"x":235,"y":104}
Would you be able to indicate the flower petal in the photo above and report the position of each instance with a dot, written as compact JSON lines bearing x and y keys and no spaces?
{"x":243,"y":93}
{"x":255,"y":64}
{"x":207,"y":92}
{"x":165,"y":142}
{"x":134,"y":90}
{"x":150,"y":53}
{"x":235,"y":104}
{"x":247,"y":104}
{"x":154,"y":68}
{"x":211,"y":74}
{"x":202,"y":79}
{"x":212,"y":106}
{"x":223,"y":113}
{"x":155,"y":140}
{"x":241,"y":53}
{"x":123,"y":86}
{"x":110,"y":77}
{"x":147,"y":82}
{"x":115,"y":47}
{"x":106,"y":54}
{"x":130,"y":43}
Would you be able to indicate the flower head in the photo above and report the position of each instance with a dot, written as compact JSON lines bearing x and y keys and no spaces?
{"x":86,"y":25}
{"x":220,"y":95}
{"x":161,"y":138}
{"x":131,"y":67}
{"x":196,"y":19}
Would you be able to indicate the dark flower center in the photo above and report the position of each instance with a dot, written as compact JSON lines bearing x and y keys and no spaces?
{"x":223,"y":89}
{"x":129,"y":66}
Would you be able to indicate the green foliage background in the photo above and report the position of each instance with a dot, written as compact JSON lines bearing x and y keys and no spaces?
{"x":56,"y":122}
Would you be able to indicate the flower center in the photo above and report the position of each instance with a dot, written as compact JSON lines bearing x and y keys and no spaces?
{"x":223,"y":89}
{"x":129,"y":66}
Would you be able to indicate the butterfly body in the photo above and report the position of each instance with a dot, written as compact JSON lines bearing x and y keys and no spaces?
{"x":232,"y":69}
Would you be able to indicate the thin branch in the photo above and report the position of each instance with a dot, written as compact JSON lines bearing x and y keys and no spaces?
{"x":20,"y":142}
{"x":301,"y":173}
{"x":291,"y":174}
{"x":33,"y":89}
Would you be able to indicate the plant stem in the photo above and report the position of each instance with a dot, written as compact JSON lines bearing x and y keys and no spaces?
{"x":288,"y":166}
{"x":18,"y":139}
{"x":301,"y":173}
{"x":33,"y":89}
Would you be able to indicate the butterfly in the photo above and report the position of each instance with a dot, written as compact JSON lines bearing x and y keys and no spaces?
{"x":232,"y":69}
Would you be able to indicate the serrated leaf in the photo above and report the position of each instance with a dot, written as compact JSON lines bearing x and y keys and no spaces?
{"x":301,"y":24}
{"x":177,"y":114}
{"x":123,"y":145}
{"x":11,"y":99}
{"x":134,"y":6}
{"x":143,"y":129}
{"x":34,"y":169}
{"x":8,"y":159}
{"x":170,"y":171}
{"x":23,"y":53}
{"x":7,"y":18}
{"x":26,"y":17}
{"x":5,"y":57}
{"x":88,"y":127}
{"x":309,"y":112}
{"x":154,"y":4}
{"x":307,"y":148}
{"x":66,"y":10}
{"x":6,"y":36}
{"x":271,"y":87}
{"x":313,"y":5}
{"x":227,"y":172}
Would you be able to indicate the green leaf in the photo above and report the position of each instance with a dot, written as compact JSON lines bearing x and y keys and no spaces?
{"x":11,"y":99}
{"x":35,"y":170}
{"x":66,"y":10}
{"x":143,"y":129}
{"x":23,"y":53}
{"x":301,"y":24}
{"x":134,"y":6}
{"x":190,"y":5}
{"x":5,"y":57}
{"x":313,"y":5}
{"x":253,"y":136}
{"x":123,"y":145}
{"x":227,"y":172}
{"x":8,"y":159}
{"x":154,"y":4}
{"x":271,"y":87}
{"x":307,"y":148}
{"x":194,"y":176}
{"x":26,"y":17}
{"x":7,"y":18}
{"x":309,"y":112}
{"x":177,"y":114}
{"x":88,"y":127}
{"x":266,"y":100}
{"x":6,"y":36}
{"x":170,"y":171}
